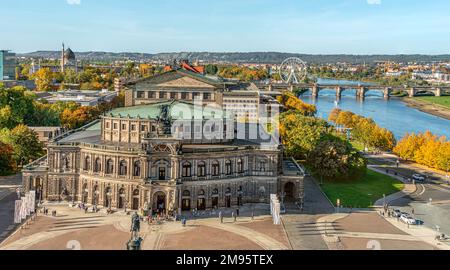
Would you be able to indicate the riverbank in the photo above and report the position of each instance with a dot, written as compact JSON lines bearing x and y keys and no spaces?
{"x":428,"y":107}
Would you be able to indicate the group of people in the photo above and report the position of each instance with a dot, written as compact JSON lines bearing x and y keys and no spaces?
{"x":85,"y":208}
{"x":45,"y":212}
{"x":234,"y":215}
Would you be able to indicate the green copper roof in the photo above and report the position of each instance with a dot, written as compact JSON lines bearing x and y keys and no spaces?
{"x":177,"y":110}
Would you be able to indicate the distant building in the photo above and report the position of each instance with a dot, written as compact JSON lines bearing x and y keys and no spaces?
{"x":8,"y":65}
{"x":45,"y":134}
{"x":82,"y":97}
{"x":118,"y":84}
{"x":28,"y":84}
{"x":442,"y":77}
{"x":394,"y":73}
{"x":68,"y":59}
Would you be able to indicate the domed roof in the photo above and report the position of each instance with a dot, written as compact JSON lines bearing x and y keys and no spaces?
{"x":69,"y":54}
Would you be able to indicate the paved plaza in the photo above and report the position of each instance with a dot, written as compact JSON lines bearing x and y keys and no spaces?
{"x":317,"y":227}
{"x":73,"y":229}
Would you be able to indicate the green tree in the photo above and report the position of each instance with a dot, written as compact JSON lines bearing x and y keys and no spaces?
{"x":211,"y":69}
{"x":335,"y":160}
{"x":16,"y":106}
{"x":25,"y":143}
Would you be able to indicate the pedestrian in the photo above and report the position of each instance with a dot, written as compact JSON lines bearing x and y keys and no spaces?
{"x":253,"y":215}
{"x":220,"y":217}
{"x":85,"y":210}
{"x":237,"y":211}
{"x":233,"y":216}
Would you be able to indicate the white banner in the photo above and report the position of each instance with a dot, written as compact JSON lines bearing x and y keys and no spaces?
{"x":32,"y":201}
{"x":275,"y":209}
{"x":23,"y":208}
{"x":18,"y":207}
{"x":28,"y":198}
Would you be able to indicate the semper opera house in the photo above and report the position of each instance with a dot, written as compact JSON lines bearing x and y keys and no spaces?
{"x":174,"y":147}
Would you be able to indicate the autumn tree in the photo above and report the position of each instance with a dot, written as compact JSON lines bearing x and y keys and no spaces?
{"x":7,"y":163}
{"x":425,"y":148}
{"x":44,"y":79}
{"x":291,"y":102}
{"x":334,"y":114}
{"x":300,"y":134}
{"x":78,"y":117}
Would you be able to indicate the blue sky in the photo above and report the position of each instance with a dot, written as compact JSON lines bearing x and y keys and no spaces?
{"x":302,"y":26}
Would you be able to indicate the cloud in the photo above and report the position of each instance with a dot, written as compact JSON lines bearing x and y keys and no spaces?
{"x":74,"y":2}
{"x":374,"y":2}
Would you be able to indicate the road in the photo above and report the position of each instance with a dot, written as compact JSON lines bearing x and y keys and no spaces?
{"x":432,"y":214}
{"x":8,"y":197}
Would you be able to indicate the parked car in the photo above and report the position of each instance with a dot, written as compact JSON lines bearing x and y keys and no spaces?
{"x":418,"y":177}
{"x":396,"y":213}
{"x":408,"y":219}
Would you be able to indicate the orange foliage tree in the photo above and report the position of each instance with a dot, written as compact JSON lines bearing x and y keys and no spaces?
{"x":291,"y":102}
{"x":426,"y":149}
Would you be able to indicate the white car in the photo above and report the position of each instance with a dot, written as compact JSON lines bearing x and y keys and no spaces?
{"x":418,"y":177}
{"x":408,"y":220}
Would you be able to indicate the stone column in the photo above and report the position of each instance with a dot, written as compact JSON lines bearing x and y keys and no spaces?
{"x":438,"y":92}
{"x":315,"y":91}
{"x":386,"y":92}
{"x":338,"y":92}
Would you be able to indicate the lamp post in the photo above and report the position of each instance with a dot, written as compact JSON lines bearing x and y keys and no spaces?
{"x":73,"y":195}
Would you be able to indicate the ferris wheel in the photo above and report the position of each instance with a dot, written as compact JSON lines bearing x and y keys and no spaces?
{"x":293,"y":70}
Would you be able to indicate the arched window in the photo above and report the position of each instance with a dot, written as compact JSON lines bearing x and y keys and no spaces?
{"x":228,"y":191}
{"x":87,"y":163}
{"x":262,"y":166}
{"x":201,"y":169}
{"x":97,"y":165}
{"x":228,"y":167}
{"x":137,"y":168}
{"x":215,"y":192}
{"x":186,"y":193}
{"x":201,"y":192}
{"x":109,"y":166}
{"x":215,"y":168}
{"x":186,"y":170}
{"x":240,"y":167}
{"x":123,"y":167}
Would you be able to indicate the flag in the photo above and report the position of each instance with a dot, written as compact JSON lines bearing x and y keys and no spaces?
{"x":17,"y":217}
{"x":32,"y":200}
{"x":23,"y":208}
{"x":28,"y":206}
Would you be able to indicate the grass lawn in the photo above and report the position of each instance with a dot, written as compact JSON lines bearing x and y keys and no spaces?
{"x":363,"y":193}
{"x":443,"y":101}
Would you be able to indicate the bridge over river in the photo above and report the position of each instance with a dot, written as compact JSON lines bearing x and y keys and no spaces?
{"x":361,"y":90}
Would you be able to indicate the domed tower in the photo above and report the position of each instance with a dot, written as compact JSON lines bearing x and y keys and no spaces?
{"x":68,"y":59}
